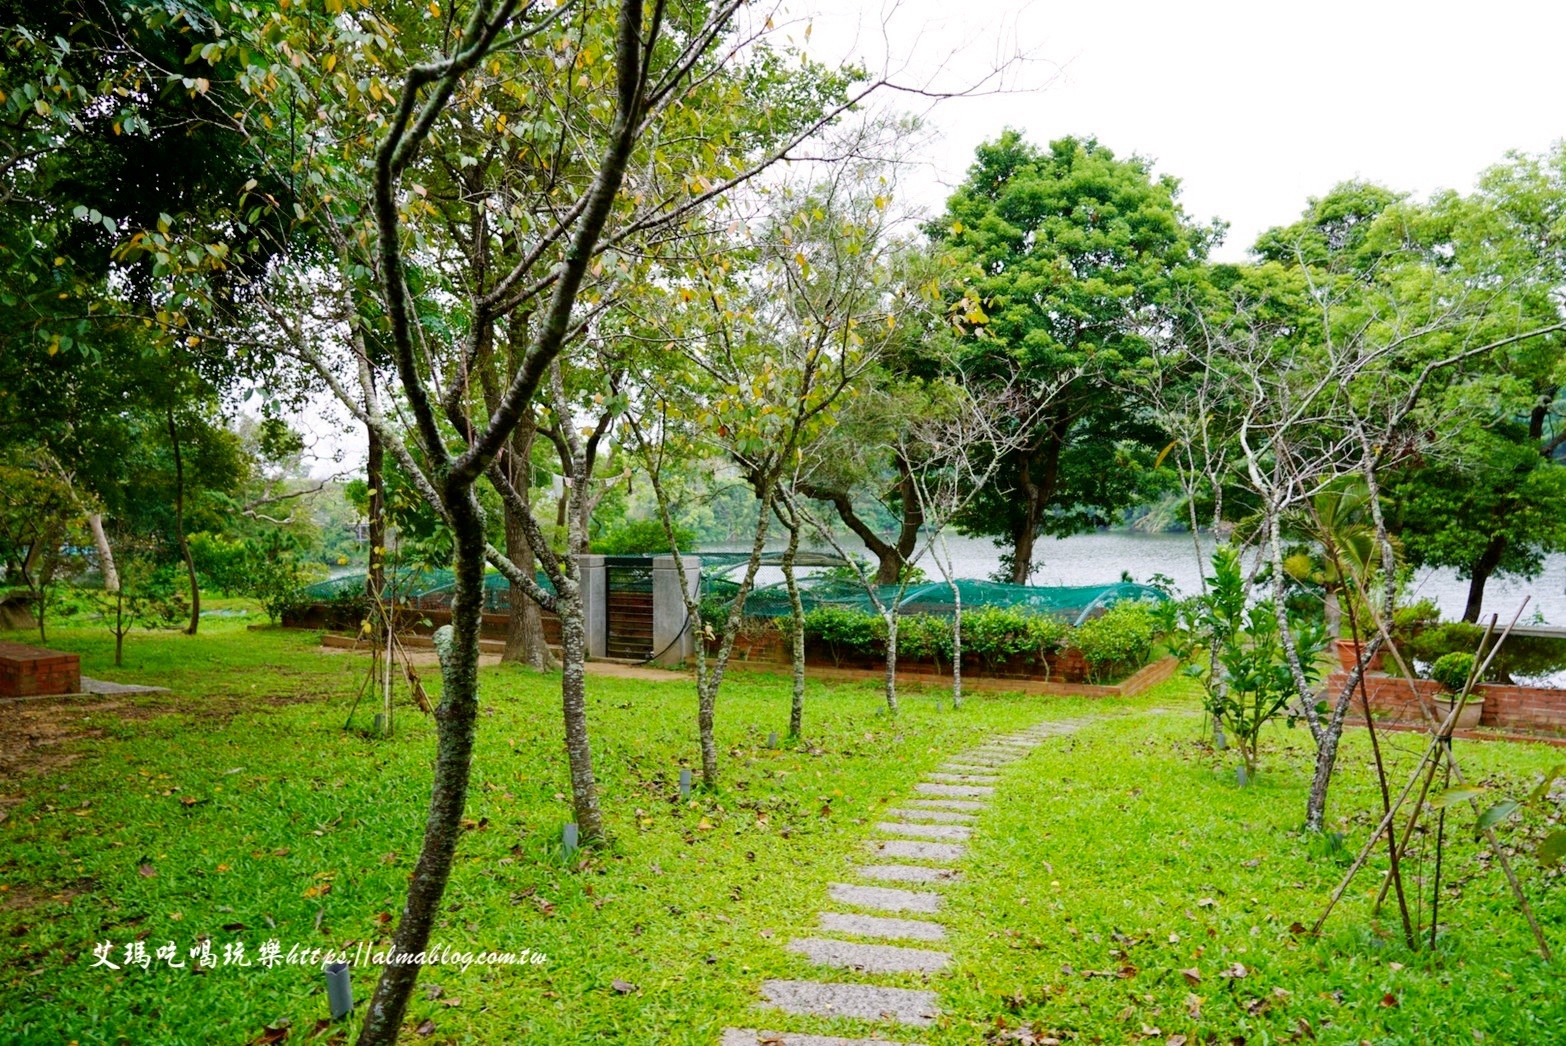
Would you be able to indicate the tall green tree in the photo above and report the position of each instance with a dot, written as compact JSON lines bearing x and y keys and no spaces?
{"x":1072,"y":258}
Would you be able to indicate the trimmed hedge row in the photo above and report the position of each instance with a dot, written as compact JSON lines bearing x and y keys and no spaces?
{"x":1113,"y":645}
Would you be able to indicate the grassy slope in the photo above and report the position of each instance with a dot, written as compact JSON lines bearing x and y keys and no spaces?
{"x":1134,"y":823}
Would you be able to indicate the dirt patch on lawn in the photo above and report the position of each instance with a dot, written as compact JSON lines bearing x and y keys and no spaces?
{"x":43,"y":735}
{"x":37,"y":737}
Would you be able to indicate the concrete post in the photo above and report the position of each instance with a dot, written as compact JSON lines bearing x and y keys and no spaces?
{"x":595,"y":595}
{"x":673,"y":641}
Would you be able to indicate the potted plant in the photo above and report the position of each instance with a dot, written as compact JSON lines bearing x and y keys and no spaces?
{"x":1451,"y":672}
{"x":1358,"y":629}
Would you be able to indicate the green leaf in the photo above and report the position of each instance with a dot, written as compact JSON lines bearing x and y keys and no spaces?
{"x":1553,"y":849}
{"x":1543,"y":788}
{"x":1455,"y":795}
{"x":1496,"y":814}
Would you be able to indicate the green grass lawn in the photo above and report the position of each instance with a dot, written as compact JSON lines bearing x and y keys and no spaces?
{"x":237,"y":809}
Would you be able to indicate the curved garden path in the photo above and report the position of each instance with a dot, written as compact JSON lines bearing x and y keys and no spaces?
{"x":890,"y":922}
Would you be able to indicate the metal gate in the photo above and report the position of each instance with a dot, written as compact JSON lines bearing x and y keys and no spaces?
{"x":628,"y":607}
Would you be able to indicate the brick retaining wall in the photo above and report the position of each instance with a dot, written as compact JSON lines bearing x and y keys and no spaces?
{"x":1505,"y":705}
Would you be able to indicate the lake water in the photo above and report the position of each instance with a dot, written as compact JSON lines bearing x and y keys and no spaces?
{"x":1099,"y":558}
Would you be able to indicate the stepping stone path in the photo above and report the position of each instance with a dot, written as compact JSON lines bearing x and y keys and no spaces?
{"x":937,"y":821}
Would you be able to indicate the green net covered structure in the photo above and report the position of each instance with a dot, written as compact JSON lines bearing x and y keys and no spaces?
{"x":427,"y":589}
{"x":418,"y":587}
{"x":1073,"y":605}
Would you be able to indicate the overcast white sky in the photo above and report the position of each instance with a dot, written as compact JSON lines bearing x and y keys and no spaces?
{"x":1254,"y":105}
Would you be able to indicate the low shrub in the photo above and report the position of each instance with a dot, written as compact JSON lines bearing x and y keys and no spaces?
{"x":922,"y":636}
{"x":1117,"y":642}
{"x":846,"y":632}
{"x":996,"y":634}
{"x":1452,"y":670}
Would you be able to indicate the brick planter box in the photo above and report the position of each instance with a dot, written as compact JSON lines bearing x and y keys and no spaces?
{"x":29,"y":671}
{"x":1503,"y":705}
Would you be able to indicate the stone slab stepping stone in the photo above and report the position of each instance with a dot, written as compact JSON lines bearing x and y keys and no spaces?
{"x":909,"y":873}
{"x":883,"y":926}
{"x":864,"y":1001}
{"x":917,"y":851}
{"x":969,"y":768}
{"x":869,"y":958}
{"x":945,"y":804}
{"x":953,"y":791}
{"x":755,"y":1037}
{"x":953,"y":832}
{"x":948,"y":816}
{"x":975,"y":779}
{"x":885,"y":898}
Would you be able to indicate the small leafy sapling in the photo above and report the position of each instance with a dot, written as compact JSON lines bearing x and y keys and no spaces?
{"x":1234,"y":648}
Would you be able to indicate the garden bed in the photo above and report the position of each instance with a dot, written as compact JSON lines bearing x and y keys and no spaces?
{"x":1147,"y":676}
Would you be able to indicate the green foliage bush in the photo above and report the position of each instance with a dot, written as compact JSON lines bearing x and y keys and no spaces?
{"x":636,"y":536}
{"x":1452,"y":670}
{"x":996,"y":634}
{"x":925,"y":637}
{"x":845,"y":631}
{"x":1119,"y":641}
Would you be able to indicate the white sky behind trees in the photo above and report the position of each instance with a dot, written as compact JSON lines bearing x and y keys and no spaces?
{"x":1255,"y":105}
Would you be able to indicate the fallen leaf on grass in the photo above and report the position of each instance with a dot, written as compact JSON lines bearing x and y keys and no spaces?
{"x":277,"y":1031}
{"x":1192,"y":975}
{"x":1235,"y":972}
{"x":146,"y":871}
{"x":1176,"y":1040}
{"x":427,"y":1028}
{"x":623,"y":987}
{"x":1389,"y":1000}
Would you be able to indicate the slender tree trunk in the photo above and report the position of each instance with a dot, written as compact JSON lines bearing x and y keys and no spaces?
{"x":111,"y":576}
{"x":525,"y":642}
{"x":1327,"y":744}
{"x":796,"y":618}
{"x":179,"y":529}
{"x":1483,"y":567}
{"x":573,"y":703}
{"x":374,"y":478}
{"x":455,"y":719}
{"x":891,"y":659}
{"x":710,"y":678}
{"x":119,"y":627}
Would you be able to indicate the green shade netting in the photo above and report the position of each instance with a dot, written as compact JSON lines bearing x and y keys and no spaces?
{"x":1070,"y":604}
{"x":420,"y":585}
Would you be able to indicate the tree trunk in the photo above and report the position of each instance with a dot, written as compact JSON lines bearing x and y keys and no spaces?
{"x":1327,"y":743}
{"x":891,"y":659}
{"x":455,"y":719}
{"x":119,"y":627}
{"x":573,"y":704}
{"x":374,"y":478}
{"x":1022,"y":549}
{"x":111,"y":576}
{"x":709,"y":679}
{"x":179,"y":529}
{"x":1483,"y":567}
{"x":956,"y":644}
{"x":796,"y":713}
{"x":525,"y":642}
